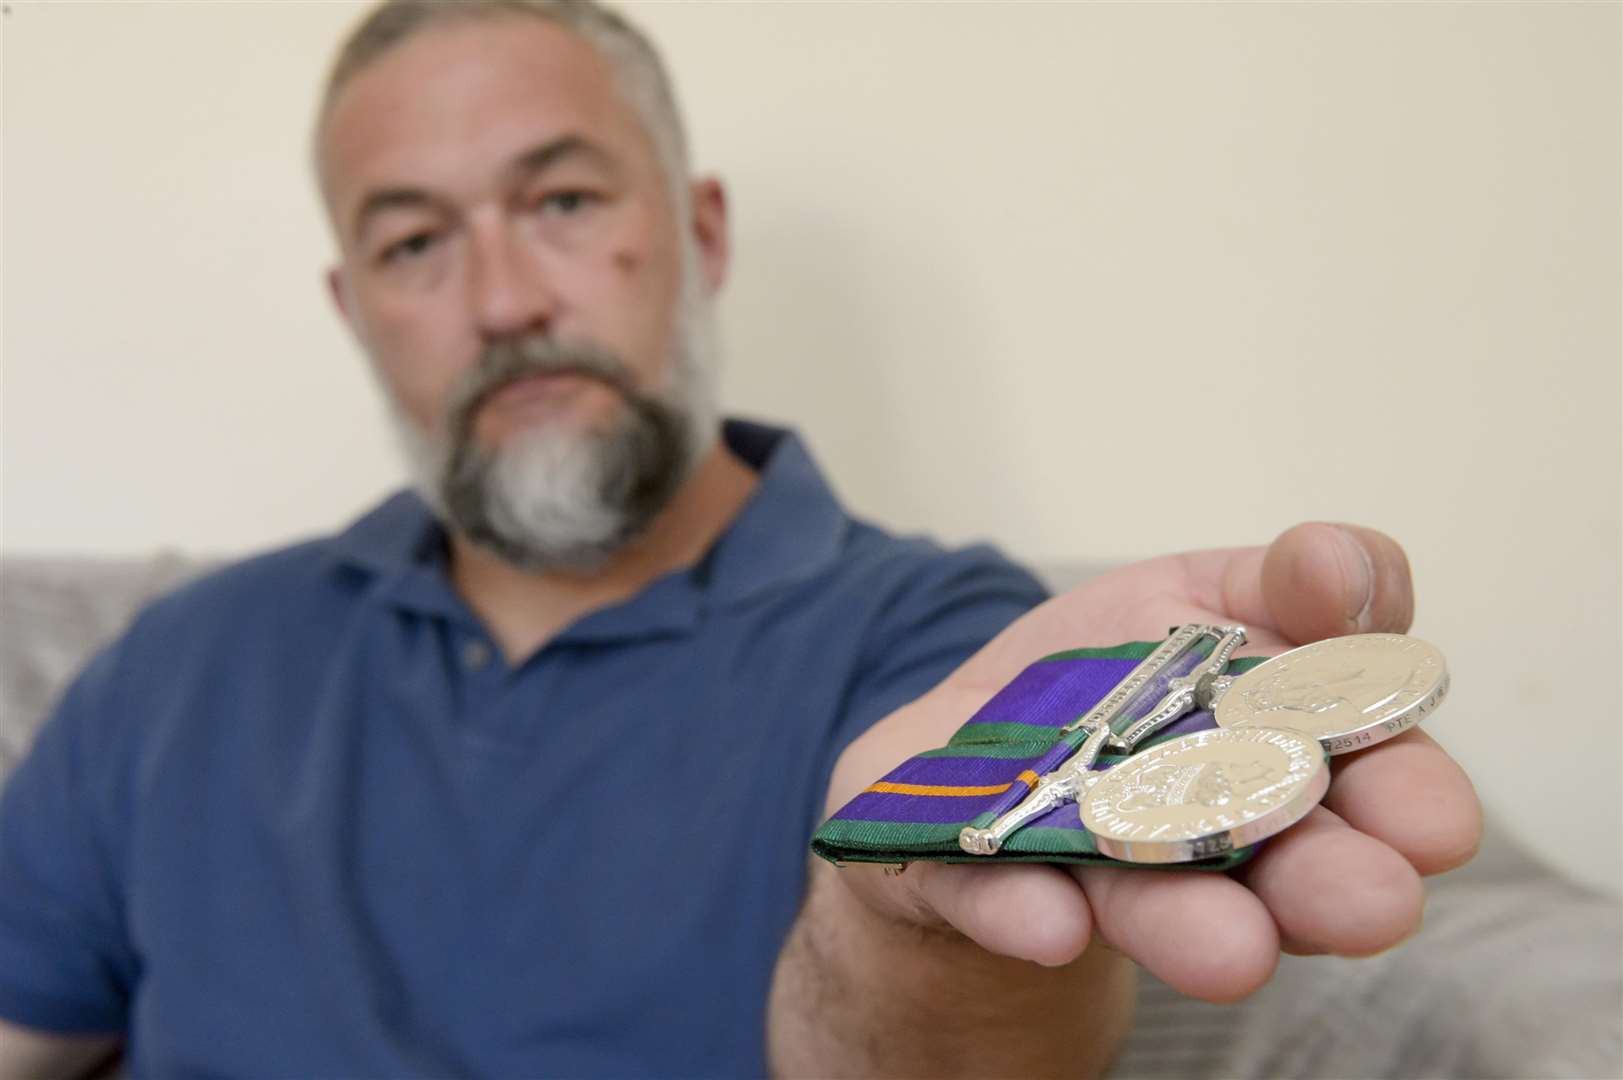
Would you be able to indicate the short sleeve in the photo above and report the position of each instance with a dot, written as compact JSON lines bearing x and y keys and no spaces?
{"x":66,"y":964}
{"x":938,"y":619}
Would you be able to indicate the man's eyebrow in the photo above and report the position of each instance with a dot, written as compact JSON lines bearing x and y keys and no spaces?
{"x":389,"y":199}
{"x":553,"y":151}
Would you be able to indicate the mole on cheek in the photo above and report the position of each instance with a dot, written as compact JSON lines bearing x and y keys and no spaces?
{"x":627,"y":262}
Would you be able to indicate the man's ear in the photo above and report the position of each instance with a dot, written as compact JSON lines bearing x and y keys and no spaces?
{"x":710,"y":229}
{"x":340,"y":299}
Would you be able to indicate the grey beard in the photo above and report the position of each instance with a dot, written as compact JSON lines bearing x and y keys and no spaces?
{"x":554,"y":499}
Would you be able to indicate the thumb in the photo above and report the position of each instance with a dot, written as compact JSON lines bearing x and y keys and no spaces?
{"x":1321,"y":580}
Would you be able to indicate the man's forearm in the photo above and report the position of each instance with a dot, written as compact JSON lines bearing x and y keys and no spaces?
{"x":38,"y":1055}
{"x":857,"y":993}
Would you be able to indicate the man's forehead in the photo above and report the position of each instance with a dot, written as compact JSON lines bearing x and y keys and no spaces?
{"x":457,"y":101}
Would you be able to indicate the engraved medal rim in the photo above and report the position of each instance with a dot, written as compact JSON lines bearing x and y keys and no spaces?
{"x":1381,"y":727}
{"x":1270,"y":823}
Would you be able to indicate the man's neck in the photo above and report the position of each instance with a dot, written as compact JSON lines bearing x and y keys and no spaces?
{"x":523,"y":609}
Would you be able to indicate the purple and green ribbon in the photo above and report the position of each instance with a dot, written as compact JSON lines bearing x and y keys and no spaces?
{"x":915,"y":811}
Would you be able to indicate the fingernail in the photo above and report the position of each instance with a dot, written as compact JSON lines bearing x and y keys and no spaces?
{"x":1360,"y":572}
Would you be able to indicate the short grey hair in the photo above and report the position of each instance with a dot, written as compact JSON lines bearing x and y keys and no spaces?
{"x":635,"y":63}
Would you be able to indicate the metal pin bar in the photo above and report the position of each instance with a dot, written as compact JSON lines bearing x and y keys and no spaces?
{"x":1113,"y":704}
{"x":1187,"y":691}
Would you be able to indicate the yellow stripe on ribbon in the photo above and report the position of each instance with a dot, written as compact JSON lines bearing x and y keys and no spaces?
{"x":885,"y":787}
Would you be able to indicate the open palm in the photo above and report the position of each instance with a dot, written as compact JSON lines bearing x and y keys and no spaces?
{"x":1345,"y":880}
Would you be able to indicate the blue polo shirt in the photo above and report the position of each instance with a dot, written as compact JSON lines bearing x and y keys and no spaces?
{"x":304,"y":820}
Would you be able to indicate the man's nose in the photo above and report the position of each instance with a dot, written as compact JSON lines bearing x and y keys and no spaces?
{"x":509,"y":293}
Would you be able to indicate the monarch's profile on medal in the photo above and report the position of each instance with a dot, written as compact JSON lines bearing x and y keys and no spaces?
{"x":517,"y":773}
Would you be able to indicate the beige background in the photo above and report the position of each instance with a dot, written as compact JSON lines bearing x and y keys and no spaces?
{"x":1094,"y":281}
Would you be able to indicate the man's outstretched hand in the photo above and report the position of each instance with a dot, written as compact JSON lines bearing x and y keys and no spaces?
{"x":1345,"y":880}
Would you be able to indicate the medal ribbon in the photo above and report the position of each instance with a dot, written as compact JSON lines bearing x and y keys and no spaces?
{"x":916,"y":811}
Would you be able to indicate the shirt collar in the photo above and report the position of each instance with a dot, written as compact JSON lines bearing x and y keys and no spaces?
{"x":791,"y":527}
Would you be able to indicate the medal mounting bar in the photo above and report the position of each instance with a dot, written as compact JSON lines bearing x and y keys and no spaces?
{"x":1183,"y":670}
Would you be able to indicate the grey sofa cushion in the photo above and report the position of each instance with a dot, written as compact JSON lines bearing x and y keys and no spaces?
{"x":54,"y":614}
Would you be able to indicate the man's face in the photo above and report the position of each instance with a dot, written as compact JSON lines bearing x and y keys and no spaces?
{"x":511,"y":255}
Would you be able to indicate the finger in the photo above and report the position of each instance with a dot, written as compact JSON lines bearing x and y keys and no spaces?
{"x":1320,"y":580}
{"x":1331,"y":889}
{"x":1409,"y":794}
{"x":1023,"y":910}
{"x":1205,"y":935}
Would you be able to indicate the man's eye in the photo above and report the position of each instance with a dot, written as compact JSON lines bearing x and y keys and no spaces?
{"x":412,"y":246}
{"x":565,"y":202}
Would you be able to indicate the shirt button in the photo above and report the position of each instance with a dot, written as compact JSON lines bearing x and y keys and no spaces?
{"x":475,"y":655}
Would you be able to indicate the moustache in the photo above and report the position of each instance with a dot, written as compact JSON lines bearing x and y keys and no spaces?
{"x":506,"y":362}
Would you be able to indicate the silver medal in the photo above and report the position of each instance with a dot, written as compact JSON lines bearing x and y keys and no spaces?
{"x":1205,"y":794}
{"x":1348,"y":692}
{"x":1258,"y":773}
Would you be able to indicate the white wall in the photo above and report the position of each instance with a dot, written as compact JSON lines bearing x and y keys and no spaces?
{"x":1091,"y":280}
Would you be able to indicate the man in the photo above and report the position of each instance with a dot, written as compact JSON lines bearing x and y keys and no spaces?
{"x":522,"y":785}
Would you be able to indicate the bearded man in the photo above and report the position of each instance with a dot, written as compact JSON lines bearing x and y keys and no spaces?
{"x":515,"y":775}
